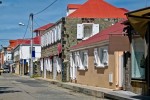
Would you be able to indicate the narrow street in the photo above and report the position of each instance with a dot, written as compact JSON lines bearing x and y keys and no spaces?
{"x":14,"y":87}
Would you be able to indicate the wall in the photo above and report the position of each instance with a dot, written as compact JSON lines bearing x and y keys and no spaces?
{"x":25,"y":52}
{"x":98,"y":77}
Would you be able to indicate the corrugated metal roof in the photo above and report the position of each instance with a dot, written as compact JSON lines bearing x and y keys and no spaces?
{"x":73,"y":6}
{"x":44,"y":27}
{"x":98,"y":9}
{"x":14,"y":43}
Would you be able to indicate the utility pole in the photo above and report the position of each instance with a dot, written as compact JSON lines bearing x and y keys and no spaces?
{"x":31,"y":60}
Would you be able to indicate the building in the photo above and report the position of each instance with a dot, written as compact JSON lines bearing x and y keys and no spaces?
{"x":82,"y":21}
{"x":94,"y":62}
{"x":22,"y":55}
{"x":137,"y":58}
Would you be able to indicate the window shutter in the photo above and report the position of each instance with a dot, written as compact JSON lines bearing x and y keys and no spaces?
{"x":101,"y":55}
{"x":50,"y":37}
{"x":71,"y":72}
{"x":71,"y":60}
{"x":95,"y":29}
{"x":41,"y":63}
{"x":55,"y":34}
{"x":50,"y":60}
{"x":85,"y":59}
{"x":81,"y":60}
{"x":58,"y":64}
{"x":46,"y":39}
{"x":59,"y":31}
{"x":78,"y":59}
{"x":41,"y":41}
{"x":96,"y":57}
{"x":105,"y":57}
{"x":79,"y":31}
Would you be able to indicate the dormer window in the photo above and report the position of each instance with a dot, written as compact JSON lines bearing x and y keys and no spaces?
{"x":86,"y":30}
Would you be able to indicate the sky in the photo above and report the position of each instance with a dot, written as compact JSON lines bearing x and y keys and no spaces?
{"x":12,"y":12}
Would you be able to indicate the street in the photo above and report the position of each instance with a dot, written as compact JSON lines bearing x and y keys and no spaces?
{"x":14,"y":87}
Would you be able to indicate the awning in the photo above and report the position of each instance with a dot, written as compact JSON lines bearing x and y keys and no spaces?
{"x":139,"y":20}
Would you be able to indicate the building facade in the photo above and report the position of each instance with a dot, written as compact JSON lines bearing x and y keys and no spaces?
{"x":71,"y":30}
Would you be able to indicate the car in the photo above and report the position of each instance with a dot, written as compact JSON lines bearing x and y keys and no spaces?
{"x":5,"y":70}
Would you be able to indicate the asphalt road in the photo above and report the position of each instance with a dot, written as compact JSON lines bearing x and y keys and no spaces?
{"x":14,"y":87}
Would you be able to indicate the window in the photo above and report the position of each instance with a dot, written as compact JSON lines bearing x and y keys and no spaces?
{"x":81,"y":60}
{"x":86,"y":30}
{"x":73,"y":67}
{"x":138,"y":59}
{"x":58,"y":64}
{"x":101,"y":57}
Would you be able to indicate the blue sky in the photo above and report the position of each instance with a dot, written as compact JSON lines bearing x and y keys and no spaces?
{"x":14,"y":11}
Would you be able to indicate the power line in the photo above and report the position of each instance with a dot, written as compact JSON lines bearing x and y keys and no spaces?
{"x":46,"y":7}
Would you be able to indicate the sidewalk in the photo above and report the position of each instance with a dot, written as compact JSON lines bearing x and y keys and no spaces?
{"x":97,"y":91}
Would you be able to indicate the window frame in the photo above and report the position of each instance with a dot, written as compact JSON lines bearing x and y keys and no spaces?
{"x":100,"y":56}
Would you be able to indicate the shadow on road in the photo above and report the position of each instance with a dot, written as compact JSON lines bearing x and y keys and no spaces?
{"x":5,"y":90}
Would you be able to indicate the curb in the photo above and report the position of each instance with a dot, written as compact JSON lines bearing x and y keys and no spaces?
{"x":95,"y":92}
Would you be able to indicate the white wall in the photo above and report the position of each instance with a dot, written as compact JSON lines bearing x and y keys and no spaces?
{"x":70,"y":11}
{"x":25,"y":52}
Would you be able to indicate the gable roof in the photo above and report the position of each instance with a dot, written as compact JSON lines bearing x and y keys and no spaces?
{"x":15,"y":43}
{"x":102,"y":36}
{"x":73,"y":6}
{"x":98,"y":9}
{"x":42,"y":28}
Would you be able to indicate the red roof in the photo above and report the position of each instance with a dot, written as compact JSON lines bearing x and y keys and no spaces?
{"x":44,"y":27}
{"x":73,"y":6}
{"x":98,"y":9}
{"x":103,"y":35}
{"x":14,"y":43}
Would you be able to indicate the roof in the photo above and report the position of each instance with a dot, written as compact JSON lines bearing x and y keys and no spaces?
{"x":102,"y":36}
{"x":97,"y":9}
{"x":44,"y":27}
{"x":15,"y":43}
{"x":73,"y":6}
{"x":139,"y":19}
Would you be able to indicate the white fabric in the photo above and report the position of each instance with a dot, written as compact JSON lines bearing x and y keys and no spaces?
{"x":41,"y":63}
{"x":96,"y":57}
{"x":58,"y":64}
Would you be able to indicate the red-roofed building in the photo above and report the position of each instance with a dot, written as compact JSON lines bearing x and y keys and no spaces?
{"x":21,"y":53}
{"x":72,"y":7}
{"x":39,"y":31}
{"x":100,"y":56}
{"x":97,"y":9}
{"x":82,"y":22}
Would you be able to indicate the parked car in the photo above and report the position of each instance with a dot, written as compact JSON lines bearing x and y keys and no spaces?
{"x":5,"y":70}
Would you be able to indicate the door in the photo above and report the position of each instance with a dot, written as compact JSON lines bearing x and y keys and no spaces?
{"x":54,"y":68}
{"x":44,"y":68}
{"x":121,"y":72}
